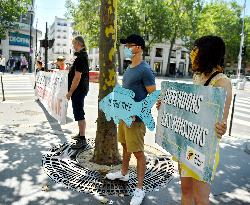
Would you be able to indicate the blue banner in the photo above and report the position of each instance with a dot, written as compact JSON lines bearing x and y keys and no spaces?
{"x":186,"y":124}
{"x":19,"y":39}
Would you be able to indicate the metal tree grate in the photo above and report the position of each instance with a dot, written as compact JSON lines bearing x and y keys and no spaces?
{"x":61,"y":166}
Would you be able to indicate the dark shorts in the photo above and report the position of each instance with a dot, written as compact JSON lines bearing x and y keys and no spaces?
{"x":78,"y":105}
{"x":2,"y":68}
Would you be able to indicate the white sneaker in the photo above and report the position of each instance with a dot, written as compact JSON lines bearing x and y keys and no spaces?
{"x":118,"y":175}
{"x":138,"y":197}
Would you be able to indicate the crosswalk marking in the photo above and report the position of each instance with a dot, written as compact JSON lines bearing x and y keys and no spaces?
{"x":242,"y":112}
{"x":238,"y":108}
{"x":18,"y":87}
{"x":243,"y":102}
{"x":241,"y":122}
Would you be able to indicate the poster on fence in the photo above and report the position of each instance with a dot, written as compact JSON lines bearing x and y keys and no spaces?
{"x":186,"y":124}
{"x":51,"y":89}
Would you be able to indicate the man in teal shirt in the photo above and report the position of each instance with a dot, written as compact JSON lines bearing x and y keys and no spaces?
{"x":139,"y":78}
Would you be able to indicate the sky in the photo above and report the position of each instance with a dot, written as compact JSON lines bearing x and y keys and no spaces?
{"x":46,"y":10}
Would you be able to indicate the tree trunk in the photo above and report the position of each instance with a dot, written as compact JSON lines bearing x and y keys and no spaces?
{"x":106,"y":147}
{"x":169,"y":55}
{"x":119,"y":61}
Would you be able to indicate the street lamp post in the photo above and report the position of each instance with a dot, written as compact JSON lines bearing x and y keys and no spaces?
{"x":36,"y":53}
{"x":241,"y":42}
{"x":36,"y":35}
{"x":31,"y":49}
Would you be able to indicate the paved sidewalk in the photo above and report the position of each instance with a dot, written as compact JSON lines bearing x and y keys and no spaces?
{"x":27,"y":131}
{"x":25,"y":136}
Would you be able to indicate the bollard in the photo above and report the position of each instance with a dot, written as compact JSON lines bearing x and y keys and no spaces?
{"x":232,"y":115}
{"x":2,"y":88}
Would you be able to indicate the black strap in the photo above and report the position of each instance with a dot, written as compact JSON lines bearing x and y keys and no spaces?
{"x":211,"y":77}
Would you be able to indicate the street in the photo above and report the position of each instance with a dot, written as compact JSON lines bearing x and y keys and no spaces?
{"x":27,"y":131}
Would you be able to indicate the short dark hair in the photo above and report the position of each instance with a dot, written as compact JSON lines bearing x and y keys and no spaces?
{"x":39,"y":62}
{"x":134,"y":38}
{"x":211,"y":52}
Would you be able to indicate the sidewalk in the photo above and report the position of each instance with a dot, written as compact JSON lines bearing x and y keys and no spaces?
{"x":24,"y":138}
{"x":27,"y":131}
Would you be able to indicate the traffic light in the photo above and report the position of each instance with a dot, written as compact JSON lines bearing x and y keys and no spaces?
{"x":47,"y":44}
{"x":51,"y":42}
{"x":244,"y":49}
{"x":42,"y":43}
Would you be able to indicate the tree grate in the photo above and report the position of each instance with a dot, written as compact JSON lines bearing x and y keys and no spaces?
{"x":61,"y":166}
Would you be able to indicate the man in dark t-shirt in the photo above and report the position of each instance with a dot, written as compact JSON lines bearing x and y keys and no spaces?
{"x":78,"y":87}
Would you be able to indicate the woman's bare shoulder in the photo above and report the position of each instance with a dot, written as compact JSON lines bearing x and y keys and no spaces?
{"x":223,"y":82}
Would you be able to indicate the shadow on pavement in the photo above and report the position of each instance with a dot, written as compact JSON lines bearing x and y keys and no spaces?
{"x":232,"y":180}
{"x":52,"y":121}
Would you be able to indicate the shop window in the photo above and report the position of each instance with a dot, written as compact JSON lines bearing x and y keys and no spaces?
{"x":158,"y":52}
{"x":173,"y":54}
{"x":183,"y":55}
{"x":157,"y":67}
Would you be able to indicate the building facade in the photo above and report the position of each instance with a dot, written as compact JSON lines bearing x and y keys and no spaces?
{"x":21,"y":41}
{"x":93,"y":55}
{"x":61,"y":30}
{"x":157,"y":57}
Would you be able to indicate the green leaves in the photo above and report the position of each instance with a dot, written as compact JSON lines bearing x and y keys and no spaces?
{"x":10,"y":11}
{"x":86,"y":15}
{"x":222,"y":19}
{"x":166,"y":20}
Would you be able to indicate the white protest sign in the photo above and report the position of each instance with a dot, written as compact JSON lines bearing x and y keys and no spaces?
{"x":51,"y":88}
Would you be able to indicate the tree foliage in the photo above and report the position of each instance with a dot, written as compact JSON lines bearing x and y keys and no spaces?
{"x":128,"y":21}
{"x":222,"y":19}
{"x":10,"y":11}
{"x":246,"y":57}
{"x":86,"y":16}
{"x":166,"y":20}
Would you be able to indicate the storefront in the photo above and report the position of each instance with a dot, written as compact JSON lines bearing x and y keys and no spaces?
{"x":17,"y":44}
{"x":158,"y":67}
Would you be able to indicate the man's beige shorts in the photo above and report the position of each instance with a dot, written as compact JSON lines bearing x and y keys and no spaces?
{"x":132,"y":136}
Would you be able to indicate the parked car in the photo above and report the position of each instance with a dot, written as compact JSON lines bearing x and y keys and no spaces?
{"x":247,"y":77}
{"x":235,"y":79}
